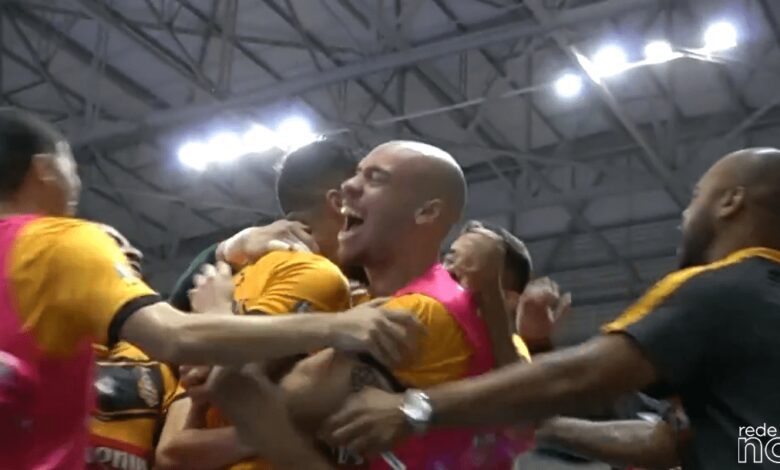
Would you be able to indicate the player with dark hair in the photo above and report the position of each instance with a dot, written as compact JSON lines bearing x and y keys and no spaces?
{"x":278,"y":283}
{"x":516,"y":273}
{"x":65,"y":285}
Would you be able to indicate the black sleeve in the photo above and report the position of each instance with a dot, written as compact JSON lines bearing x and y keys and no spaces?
{"x":681,"y":333}
{"x":179,"y":297}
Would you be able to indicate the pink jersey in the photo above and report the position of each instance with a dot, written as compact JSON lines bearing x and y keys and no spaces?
{"x":52,"y":271}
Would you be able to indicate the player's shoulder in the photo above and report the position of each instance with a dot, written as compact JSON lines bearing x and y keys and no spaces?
{"x":127,"y":351}
{"x":60,"y":235}
{"x":429,"y":310}
{"x":728,"y":278}
{"x":287,"y":262}
{"x":47,"y":227}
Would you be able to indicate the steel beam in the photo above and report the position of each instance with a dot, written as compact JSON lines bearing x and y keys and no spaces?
{"x":157,"y":122}
{"x":112,"y":19}
{"x":649,"y":155}
{"x":84,"y":56}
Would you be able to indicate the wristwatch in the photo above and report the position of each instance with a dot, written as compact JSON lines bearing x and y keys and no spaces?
{"x":417,"y":409}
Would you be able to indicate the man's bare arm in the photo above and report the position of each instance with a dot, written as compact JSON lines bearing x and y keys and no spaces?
{"x":181,"y":447}
{"x":491,"y":305}
{"x":172,"y":336}
{"x":568,"y":381}
{"x":634,"y":443}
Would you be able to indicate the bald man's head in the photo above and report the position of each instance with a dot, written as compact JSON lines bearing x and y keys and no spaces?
{"x":432,"y":174}
{"x":404,"y":192}
{"x":741,"y":190}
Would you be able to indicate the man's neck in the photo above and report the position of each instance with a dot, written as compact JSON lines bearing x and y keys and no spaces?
{"x":9,"y":208}
{"x":386,"y":278}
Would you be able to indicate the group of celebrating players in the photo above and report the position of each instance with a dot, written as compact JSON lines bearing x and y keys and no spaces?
{"x":337,"y":337}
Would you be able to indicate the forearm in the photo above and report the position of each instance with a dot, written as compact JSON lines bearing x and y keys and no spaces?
{"x":202,"y":449}
{"x":491,"y":305}
{"x":570,"y":381}
{"x":174,"y":337}
{"x":634,"y":443}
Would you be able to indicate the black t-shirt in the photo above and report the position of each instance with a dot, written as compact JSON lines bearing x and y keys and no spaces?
{"x":713,"y":334}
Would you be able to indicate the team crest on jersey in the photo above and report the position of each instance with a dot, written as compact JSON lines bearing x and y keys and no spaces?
{"x":147,"y":389}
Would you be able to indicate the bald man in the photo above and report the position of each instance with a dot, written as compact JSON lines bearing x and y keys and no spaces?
{"x":402,"y":202}
{"x":707,"y":333}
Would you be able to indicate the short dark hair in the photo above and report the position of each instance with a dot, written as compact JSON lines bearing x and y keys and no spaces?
{"x":517,"y":258}
{"x":308,"y":172}
{"x":22,"y":135}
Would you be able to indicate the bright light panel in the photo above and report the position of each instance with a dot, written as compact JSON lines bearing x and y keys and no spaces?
{"x":720,"y":36}
{"x":224,"y":147}
{"x":568,"y":85}
{"x":194,"y":155}
{"x":294,"y":133}
{"x":609,"y":61}
{"x":258,"y":139}
{"x":658,"y":52}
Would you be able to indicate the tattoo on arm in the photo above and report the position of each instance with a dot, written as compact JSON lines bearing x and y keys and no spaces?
{"x":362,"y":376}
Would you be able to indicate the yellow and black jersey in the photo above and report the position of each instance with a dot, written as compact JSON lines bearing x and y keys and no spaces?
{"x":283,"y":282}
{"x":280,"y":283}
{"x":711,"y":333}
{"x":133,"y":394}
{"x":443,"y":354}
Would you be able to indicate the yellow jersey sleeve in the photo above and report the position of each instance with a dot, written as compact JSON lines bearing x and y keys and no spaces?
{"x":443,"y":354}
{"x":290,"y":282}
{"x":72,"y":282}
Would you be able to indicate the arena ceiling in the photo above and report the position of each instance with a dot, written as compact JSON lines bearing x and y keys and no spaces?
{"x":594,"y":183}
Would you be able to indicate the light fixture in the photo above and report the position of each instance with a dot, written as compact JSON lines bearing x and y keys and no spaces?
{"x":568,"y":85}
{"x":194,"y":155}
{"x":720,"y":36}
{"x":609,"y":61}
{"x":294,"y":133}
{"x":224,"y":147}
{"x":258,"y":139}
{"x":658,"y":52}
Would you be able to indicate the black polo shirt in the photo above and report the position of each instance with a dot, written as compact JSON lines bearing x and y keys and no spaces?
{"x":713,"y":335}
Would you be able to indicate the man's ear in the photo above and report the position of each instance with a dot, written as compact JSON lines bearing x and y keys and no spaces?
{"x":334,"y":200}
{"x":731,"y":202}
{"x":41,"y":168}
{"x":428,"y":212}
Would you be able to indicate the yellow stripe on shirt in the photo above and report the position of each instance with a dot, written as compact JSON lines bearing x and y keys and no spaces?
{"x":672,"y":283}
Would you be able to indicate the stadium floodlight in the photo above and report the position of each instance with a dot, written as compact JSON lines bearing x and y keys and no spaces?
{"x":609,"y":61}
{"x":224,"y":147}
{"x":294,"y":133}
{"x":194,"y":155}
{"x":568,"y":85}
{"x":258,"y":139}
{"x":720,"y":36}
{"x":658,"y":52}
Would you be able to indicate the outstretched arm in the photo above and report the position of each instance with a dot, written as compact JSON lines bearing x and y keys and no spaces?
{"x":171,"y":336}
{"x":568,"y":381}
{"x":635,"y":443}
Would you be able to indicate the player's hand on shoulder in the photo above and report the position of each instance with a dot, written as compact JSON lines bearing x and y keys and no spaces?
{"x":389,"y":335}
{"x":253,"y":243}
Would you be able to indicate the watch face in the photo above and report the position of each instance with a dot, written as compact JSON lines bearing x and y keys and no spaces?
{"x":417,"y":407}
